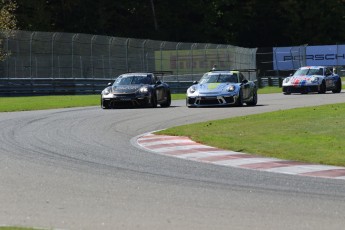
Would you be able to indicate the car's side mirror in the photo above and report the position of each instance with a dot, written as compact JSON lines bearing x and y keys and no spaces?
{"x":109,"y":84}
{"x":245,"y":81}
{"x":195,"y":82}
{"x":158,"y":82}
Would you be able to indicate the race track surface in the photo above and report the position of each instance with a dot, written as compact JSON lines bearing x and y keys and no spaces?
{"x":78,"y":169}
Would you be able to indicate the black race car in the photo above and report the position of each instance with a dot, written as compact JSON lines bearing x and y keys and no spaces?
{"x":136,"y":90}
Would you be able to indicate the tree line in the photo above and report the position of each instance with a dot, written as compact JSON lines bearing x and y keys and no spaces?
{"x":246,"y":23}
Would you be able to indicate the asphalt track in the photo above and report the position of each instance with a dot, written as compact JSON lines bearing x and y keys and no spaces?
{"x":78,"y":169}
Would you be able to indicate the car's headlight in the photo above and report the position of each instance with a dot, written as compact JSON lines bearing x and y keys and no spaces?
{"x":231,"y":88}
{"x":192,"y":89}
{"x":314,"y":79}
{"x":143,"y":89}
{"x":286,"y":80}
{"x":106,"y":91}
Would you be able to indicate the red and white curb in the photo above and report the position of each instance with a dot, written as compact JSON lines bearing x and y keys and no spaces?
{"x":183,"y":147}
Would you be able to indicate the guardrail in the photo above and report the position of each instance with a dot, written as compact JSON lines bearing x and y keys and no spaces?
{"x":269,"y":81}
{"x":77,"y":86}
{"x":66,"y":86}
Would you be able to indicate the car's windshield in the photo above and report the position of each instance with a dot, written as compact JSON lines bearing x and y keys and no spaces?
{"x":132,"y":80}
{"x":219,"y":78}
{"x":309,"y":71}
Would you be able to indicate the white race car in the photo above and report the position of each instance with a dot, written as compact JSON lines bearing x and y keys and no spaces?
{"x":312,"y":79}
{"x":222,"y":88}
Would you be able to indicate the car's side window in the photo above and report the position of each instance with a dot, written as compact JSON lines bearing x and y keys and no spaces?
{"x":150,"y":79}
{"x":242,"y":77}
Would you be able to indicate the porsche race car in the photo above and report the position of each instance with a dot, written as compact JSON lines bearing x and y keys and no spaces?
{"x":312,"y":79}
{"x":222,"y":88}
{"x":136,"y":90}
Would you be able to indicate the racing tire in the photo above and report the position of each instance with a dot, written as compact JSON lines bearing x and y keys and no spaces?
{"x":239,"y":102}
{"x":322,"y":88}
{"x":254,"y":101}
{"x":153,"y":100}
{"x":337,"y":87}
{"x":103,"y":106}
{"x":167,"y":103}
{"x":189,"y":106}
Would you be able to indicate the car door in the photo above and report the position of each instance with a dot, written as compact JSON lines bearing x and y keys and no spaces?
{"x":245,"y":86}
{"x":159,"y":88}
{"x":329,"y":78}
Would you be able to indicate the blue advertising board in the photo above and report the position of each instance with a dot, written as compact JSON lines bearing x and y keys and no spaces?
{"x":287,"y":58}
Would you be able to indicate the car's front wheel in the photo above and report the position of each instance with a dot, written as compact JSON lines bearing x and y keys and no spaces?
{"x":167,"y":103}
{"x":322,"y":88}
{"x":153,"y":100}
{"x":239,"y":101}
{"x":254,"y":100}
{"x":104,"y":105}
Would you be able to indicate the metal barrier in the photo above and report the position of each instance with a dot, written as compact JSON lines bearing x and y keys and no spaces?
{"x":270,"y":81}
{"x":65,"y":86}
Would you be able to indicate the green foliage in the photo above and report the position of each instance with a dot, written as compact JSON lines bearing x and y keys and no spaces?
{"x":7,"y":22}
{"x":250,"y":23}
{"x":7,"y":17}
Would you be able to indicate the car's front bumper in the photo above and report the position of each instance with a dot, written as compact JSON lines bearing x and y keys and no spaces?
{"x":208,"y":100}
{"x":125,"y":100}
{"x":300,"y":88}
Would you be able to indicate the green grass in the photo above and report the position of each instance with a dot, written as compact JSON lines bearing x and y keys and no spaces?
{"x":314,"y":134}
{"x":269,"y":89}
{"x":11,"y":104}
{"x":15,"y":228}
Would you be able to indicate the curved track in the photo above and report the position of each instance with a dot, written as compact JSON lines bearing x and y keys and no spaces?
{"x":76,"y":169}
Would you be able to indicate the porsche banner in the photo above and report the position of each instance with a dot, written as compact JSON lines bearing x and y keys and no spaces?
{"x":287,"y":58}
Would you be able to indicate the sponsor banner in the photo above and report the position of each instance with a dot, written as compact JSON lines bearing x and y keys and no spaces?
{"x":287,"y":58}
{"x":193,"y":61}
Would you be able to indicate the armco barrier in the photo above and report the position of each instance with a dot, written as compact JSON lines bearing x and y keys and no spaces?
{"x":65,"y":86}
{"x":50,"y":86}
{"x":269,"y":81}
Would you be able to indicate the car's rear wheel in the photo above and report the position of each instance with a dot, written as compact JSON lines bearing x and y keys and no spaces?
{"x":322,"y":87}
{"x":337,"y":87}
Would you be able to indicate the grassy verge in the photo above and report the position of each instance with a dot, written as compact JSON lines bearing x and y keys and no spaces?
{"x":10,"y":104}
{"x":312,"y":134}
{"x":15,"y":228}
{"x":269,"y":89}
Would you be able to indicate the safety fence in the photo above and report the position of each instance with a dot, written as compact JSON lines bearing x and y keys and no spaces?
{"x":57,"y":63}
{"x":67,"y":55}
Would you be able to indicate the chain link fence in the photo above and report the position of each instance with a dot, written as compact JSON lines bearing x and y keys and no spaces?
{"x":68,"y":55}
